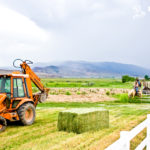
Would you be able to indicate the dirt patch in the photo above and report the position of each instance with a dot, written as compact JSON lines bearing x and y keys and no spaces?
{"x":83,"y":94}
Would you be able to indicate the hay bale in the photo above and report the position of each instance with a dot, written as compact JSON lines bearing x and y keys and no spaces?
{"x":82,"y":120}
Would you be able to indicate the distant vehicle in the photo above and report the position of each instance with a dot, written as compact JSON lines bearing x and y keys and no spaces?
{"x":146,"y":87}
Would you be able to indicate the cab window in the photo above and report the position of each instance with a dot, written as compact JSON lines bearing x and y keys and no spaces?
{"x":5,"y":86}
{"x":18,"y":89}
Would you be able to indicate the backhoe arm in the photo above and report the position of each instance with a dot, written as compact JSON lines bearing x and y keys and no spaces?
{"x":34,"y":78}
{"x":41,"y":97}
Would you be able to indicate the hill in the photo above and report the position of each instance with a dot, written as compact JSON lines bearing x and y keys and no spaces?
{"x":6,"y":71}
{"x":84,"y":69}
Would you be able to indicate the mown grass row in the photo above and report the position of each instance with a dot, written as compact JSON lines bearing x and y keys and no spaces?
{"x":43,"y":134}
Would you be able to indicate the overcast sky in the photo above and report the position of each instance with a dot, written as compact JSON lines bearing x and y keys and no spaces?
{"x":91,"y":30}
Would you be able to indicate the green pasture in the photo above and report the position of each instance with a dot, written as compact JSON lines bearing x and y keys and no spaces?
{"x":125,"y":114}
{"x":103,"y":83}
{"x":44,"y":135}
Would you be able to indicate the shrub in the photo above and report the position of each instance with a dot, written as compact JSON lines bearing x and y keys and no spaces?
{"x":78,"y":93}
{"x":108,"y":93}
{"x":127,"y":78}
{"x":68,"y":93}
{"x":124,"y":98}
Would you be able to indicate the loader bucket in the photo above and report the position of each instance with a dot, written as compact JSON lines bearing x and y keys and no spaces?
{"x":43,"y":96}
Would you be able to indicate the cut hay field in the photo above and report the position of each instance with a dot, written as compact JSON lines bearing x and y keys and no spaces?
{"x":83,"y":94}
{"x":43,"y":134}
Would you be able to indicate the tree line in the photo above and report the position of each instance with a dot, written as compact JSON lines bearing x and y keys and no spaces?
{"x":127,"y":78}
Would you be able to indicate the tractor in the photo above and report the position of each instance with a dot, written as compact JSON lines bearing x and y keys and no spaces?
{"x":17,"y":101}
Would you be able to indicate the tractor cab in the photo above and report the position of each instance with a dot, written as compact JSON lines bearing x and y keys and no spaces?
{"x":15,"y":87}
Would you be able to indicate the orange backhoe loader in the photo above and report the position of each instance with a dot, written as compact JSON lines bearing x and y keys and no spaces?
{"x":17,"y":102}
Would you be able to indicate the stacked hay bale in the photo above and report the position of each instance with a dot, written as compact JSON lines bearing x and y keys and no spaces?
{"x":82,"y":120}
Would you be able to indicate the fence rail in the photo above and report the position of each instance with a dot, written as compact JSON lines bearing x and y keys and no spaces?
{"x":123,"y":143}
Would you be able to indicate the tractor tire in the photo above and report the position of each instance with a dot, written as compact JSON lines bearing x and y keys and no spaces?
{"x":26,"y":114}
{"x":3,"y":124}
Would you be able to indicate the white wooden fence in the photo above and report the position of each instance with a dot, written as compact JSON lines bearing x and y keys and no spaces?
{"x":126,"y":136}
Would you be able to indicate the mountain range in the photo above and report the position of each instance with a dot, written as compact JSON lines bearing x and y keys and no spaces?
{"x":85,"y":69}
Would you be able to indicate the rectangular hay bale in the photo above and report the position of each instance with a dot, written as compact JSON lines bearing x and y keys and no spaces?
{"x":82,"y":120}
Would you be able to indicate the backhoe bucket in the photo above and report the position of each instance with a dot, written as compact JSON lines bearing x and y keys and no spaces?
{"x":43,"y":96}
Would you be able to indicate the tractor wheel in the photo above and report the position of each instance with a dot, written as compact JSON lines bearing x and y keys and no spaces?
{"x":26,"y":114}
{"x":3,"y":124}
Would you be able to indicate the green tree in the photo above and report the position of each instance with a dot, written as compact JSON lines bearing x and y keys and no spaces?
{"x":146,"y":77}
{"x":127,"y":78}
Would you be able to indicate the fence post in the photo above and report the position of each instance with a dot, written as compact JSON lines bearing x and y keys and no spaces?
{"x":124,"y":139}
{"x":148,"y":132}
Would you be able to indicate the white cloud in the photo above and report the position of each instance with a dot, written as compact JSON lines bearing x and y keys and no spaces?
{"x":138,"y":12}
{"x":59,"y":11}
{"x":149,"y":8}
{"x":13,"y":23}
{"x":19,"y":36}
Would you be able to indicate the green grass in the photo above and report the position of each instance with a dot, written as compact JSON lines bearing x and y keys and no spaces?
{"x":86,"y":83}
{"x":120,"y":100}
{"x":104,"y":83}
{"x":71,"y":104}
{"x":43,"y":134}
{"x":123,"y":98}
